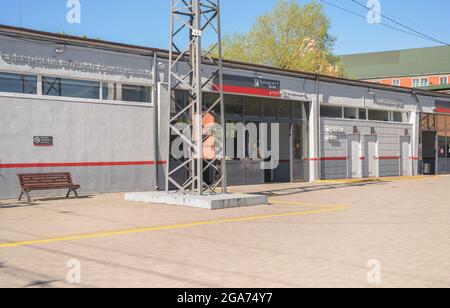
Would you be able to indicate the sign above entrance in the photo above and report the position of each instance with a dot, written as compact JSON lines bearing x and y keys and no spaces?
{"x":387,"y":102}
{"x":292,"y":95}
{"x":248,"y":85}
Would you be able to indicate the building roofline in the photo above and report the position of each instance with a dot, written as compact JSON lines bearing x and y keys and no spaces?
{"x":437,"y":87}
{"x":147,"y":51}
{"x":444,"y":74}
{"x":393,"y":50}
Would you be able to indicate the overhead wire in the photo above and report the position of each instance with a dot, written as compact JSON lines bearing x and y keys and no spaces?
{"x":402,"y":25}
{"x":413,"y":33}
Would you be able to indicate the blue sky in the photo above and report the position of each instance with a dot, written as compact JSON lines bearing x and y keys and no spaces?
{"x":145,"y":22}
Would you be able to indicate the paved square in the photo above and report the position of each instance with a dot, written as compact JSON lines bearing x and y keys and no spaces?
{"x":312,"y":235}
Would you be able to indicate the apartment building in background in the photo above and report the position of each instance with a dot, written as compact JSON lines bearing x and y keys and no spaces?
{"x":425,"y":68}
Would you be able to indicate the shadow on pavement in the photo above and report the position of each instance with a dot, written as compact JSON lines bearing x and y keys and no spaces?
{"x":64,"y":198}
{"x":10,"y":205}
{"x":41,"y":283}
{"x":35,"y":202}
{"x":306,"y":189}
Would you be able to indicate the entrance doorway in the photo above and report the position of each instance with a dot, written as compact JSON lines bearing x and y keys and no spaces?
{"x":371,"y":165}
{"x":281,"y":174}
{"x":429,"y":152}
{"x":300,"y":152}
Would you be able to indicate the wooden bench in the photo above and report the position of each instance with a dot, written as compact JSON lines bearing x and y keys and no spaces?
{"x":46,"y":181}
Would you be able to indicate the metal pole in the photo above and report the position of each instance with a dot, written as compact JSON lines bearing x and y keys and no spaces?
{"x":318,"y":129}
{"x":291,"y":150}
{"x":436,"y":165}
{"x":199,"y":97}
{"x":222,"y":105}
{"x":170,"y":81}
{"x":155,"y":118}
{"x":347,"y":161}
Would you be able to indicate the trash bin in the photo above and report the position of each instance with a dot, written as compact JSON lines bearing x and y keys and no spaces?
{"x":427,"y":168}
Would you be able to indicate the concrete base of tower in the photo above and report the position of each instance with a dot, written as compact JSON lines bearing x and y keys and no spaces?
{"x":210,"y":202}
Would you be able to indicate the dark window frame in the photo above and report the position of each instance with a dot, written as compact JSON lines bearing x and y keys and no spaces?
{"x":323,"y":108}
{"x":24,"y":80}
{"x":144,"y":99}
{"x":57,"y":84}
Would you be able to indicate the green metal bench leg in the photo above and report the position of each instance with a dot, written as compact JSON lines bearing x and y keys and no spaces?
{"x":76,"y":194}
{"x":68,"y":193}
{"x":28,"y":196}
{"x":21,"y":195}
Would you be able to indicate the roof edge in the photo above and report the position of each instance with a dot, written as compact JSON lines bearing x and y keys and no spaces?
{"x":393,"y":50}
{"x":147,"y":51}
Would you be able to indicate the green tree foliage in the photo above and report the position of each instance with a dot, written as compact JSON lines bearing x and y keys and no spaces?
{"x":292,"y":36}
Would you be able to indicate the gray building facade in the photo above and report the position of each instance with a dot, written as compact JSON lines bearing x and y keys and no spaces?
{"x":99,"y":110}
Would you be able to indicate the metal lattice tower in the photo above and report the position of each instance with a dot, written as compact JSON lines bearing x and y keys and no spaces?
{"x":192,"y":20}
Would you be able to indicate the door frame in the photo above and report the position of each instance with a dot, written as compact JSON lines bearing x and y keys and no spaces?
{"x":350,"y":158}
{"x":435,"y":145}
{"x":376,"y":158}
{"x":295,"y":178}
{"x":409,"y":158}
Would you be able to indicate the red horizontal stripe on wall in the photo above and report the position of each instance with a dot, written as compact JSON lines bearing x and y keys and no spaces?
{"x":389,"y":157}
{"x":245,"y":90}
{"x":333,"y":158}
{"x":85,"y":164}
{"x":443,"y":110}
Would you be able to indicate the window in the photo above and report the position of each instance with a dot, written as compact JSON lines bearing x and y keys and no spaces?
{"x":422,"y":82}
{"x":350,"y":113}
{"x":284,"y":109}
{"x":269,"y":108}
{"x":70,"y":88}
{"x":15,"y":83}
{"x":297,"y":110}
{"x":252,"y":140}
{"x":396,"y":82}
{"x":441,"y":135}
{"x":398,"y":117}
{"x":180,"y":103}
{"x":232,"y":141}
{"x":331,"y":112}
{"x":132,"y":93}
{"x":234,"y":105}
{"x":209,"y":99}
{"x":300,"y":141}
{"x":363,"y":114}
{"x":379,"y":115}
{"x":444,"y":80}
{"x":442,"y":147}
{"x":252,"y":107}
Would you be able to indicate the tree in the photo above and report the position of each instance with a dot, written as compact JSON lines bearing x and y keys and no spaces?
{"x":292,"y":36}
